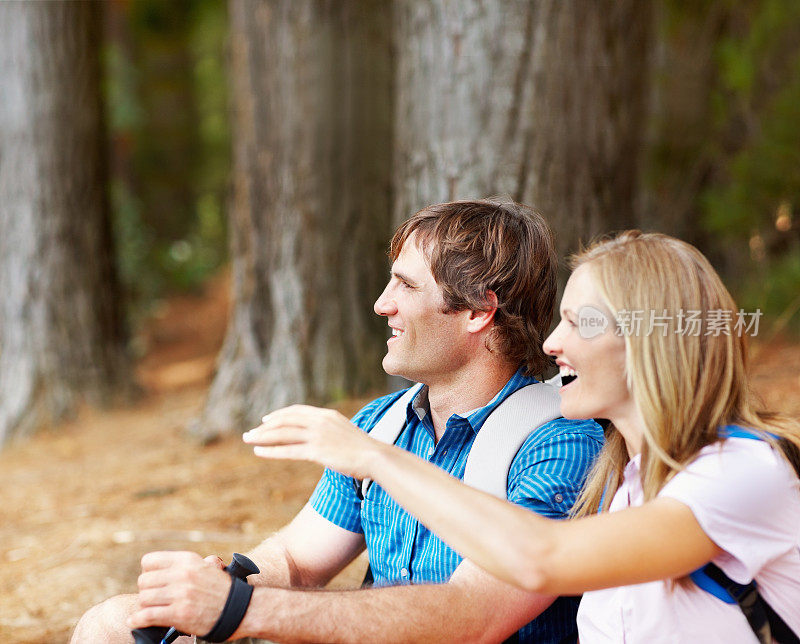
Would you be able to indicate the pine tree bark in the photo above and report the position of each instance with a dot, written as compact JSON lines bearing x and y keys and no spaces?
{"x":463,"y":80}
{"x":684,"y":158}
{"x":588,"y":130}
{"x":61,"y":330}
{"x":310,"y":217}
{"x":543,"y":101}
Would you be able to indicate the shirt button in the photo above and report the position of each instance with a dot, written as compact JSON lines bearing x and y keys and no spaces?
{"x":430,"y":451}
{"x":558,"y":498}
{"x":404,"y":572}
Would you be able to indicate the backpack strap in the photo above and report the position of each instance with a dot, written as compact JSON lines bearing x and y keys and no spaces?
{"x":735,"y":431}
{"x":390,"y":426}
{"x":763,"y":620}
{"x":504,"y":432}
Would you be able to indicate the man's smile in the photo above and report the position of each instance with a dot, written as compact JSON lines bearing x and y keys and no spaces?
{"x":396,"y":334}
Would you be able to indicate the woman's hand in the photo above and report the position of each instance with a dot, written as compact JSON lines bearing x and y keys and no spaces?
{"x":324,"y":436}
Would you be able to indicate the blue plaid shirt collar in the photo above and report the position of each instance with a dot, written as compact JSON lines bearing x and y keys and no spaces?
{"x":419,"y":406}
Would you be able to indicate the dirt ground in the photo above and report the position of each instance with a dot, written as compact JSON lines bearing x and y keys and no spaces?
{"x":82,"y":502}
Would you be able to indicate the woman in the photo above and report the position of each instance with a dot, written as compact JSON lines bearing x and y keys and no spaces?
{"x":692,"y":471}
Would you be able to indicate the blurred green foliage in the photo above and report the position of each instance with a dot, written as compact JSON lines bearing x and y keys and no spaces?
{"x":166,"y":92}
{"x":751,"y":205}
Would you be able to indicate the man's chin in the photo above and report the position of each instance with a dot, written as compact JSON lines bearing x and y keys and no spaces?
{"x":393,"y":369}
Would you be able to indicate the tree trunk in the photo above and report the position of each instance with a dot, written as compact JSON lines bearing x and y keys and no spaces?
{"x":541,"y":100}
{"x":464,"y":80}
{"x":684,"y":141}
{"x":311,"y":206}
{"x":61,"y":331}
{"x":588,"y":126}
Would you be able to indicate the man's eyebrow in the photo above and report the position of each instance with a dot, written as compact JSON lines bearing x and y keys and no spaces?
{"x":402,"y":276}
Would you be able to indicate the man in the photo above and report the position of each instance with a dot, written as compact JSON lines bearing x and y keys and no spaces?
{"x":469,"y":301}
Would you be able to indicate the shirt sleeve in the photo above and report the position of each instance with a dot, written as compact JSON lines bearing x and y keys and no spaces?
{"x":336,"y":496}
{"x":551,"y":466}
{"x":742,"y":494}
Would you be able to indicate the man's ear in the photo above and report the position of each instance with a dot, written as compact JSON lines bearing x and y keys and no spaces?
{"x":483,"y":319}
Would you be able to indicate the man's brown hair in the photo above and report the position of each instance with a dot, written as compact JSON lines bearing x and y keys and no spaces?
{"x":473,"y":247}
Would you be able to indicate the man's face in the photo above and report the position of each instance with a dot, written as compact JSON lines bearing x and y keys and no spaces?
{"x":427,"y":345}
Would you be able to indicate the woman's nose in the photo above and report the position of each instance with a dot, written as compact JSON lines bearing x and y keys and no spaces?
{"x":552,"y":344}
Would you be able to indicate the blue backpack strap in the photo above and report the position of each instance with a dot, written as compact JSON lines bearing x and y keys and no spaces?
{"x":701,"y":576}
{"x":716,"y":582}
{"x":706,"y":582}
{"x":763,"y":619}
{"x":737,"y":431}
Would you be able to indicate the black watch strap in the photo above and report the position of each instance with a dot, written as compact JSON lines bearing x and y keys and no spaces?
{"x":233,"y":613}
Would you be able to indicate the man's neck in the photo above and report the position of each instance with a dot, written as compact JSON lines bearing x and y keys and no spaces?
{"x":468,"y":389}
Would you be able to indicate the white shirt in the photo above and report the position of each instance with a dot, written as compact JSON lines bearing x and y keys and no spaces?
{"x":746,"y":498}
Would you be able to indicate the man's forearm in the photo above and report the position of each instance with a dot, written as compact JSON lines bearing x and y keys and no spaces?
{"x":307,"y":553}
{"x":275,"y":563}
{"x":443,"y":612}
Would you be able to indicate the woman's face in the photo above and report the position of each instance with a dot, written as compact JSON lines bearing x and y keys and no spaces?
{"x":585,"y":345}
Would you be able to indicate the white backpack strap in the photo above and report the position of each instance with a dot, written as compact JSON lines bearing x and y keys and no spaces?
{"x":388,"y":428}
{"x":555,"y":381}
{"x":504,"y":432}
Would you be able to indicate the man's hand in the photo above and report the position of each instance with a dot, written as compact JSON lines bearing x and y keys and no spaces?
{"x":181,"y":589}
{"x":323,"y":436}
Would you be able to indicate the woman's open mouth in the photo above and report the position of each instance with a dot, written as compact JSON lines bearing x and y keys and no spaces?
{"x":568,"y":375}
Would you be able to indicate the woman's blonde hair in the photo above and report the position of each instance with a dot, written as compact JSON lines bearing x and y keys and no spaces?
{"x":687,"y":374}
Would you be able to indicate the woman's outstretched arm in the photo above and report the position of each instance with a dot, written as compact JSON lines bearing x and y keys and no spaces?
{"x":659,"y":540}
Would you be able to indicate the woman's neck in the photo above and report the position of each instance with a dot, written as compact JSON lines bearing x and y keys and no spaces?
{"x":630,"y":424}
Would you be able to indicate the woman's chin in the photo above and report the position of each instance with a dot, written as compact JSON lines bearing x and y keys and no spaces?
{"x":574,"y":412}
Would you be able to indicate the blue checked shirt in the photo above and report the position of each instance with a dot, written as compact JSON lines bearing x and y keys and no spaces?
{"x":545,"y":476}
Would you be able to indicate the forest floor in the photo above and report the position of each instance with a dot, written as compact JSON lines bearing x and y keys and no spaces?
{"x":82,"y":502}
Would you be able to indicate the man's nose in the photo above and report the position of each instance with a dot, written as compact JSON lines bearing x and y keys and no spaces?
{"x":385,"y":305}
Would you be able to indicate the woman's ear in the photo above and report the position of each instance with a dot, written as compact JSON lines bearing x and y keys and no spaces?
{"x":482,"y":319}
